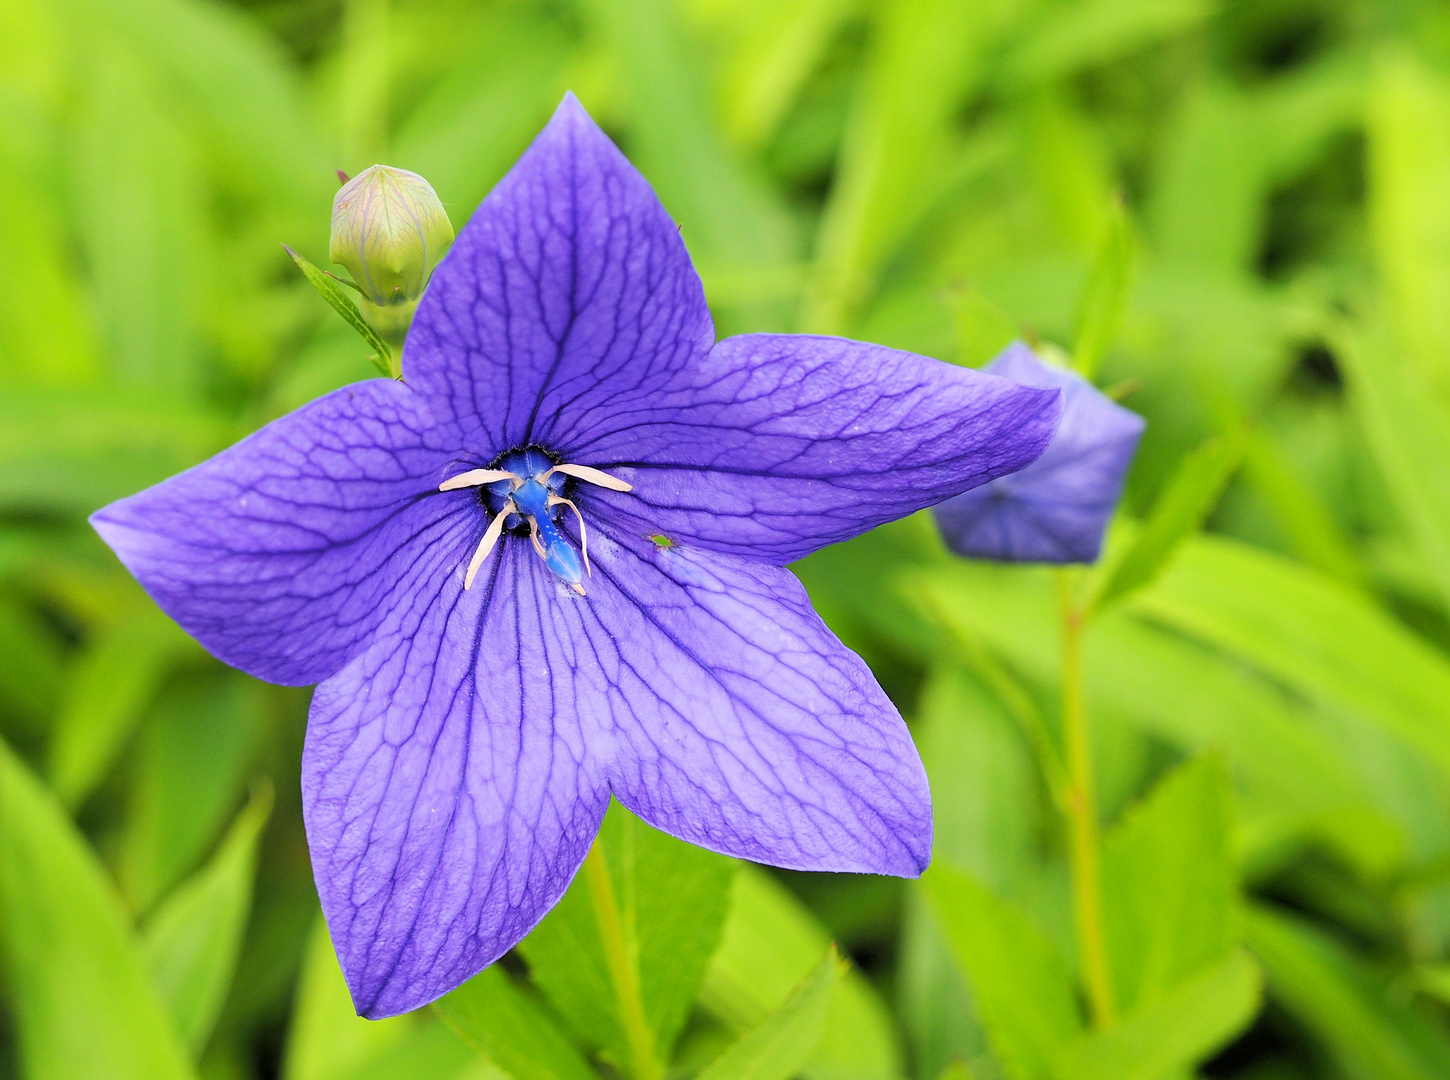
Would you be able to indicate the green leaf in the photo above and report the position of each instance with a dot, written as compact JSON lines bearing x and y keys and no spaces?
{"x":219,"y":67}
{"x":1328,"y":642}
{"x":989,"y":816}
{"x":110,"y":687}
{"x":1408,"y":428}
{"x":141,"y":220}
{"x":71,"y":451}
{"x":508,"y":1027}
{"x":982,"y":778}
{"x":728,"y":216}
{"x":1064,"y":39}
{"x":490,"y":103}
{"x":1290,"y":775}
{"x":783,"y":1043}
{"x":52,"y":332}
{"x":1186,"y":500}
{"x":1206,"y":200}
{"x":1409,"y":203}
{"x":1073,"y":177}
{"x":1175,"y":1032}
{"x":327,"y":1040}
{"x":982,"y":329}
{"x":83,"y":1004}
{"x":1316,"y":536}
{"x":1434,"y":980}
{"x":776,"y":47}
{"x":1022,"y":984}
{"x":1169,"y":884}
{"x":191,"y":760}
{"x":432,"y":1050}
{"x":193,"y":941}
{"x":1105,"y":295}
{"x":770,"y":942}
{"x":382,"y":356}
{"x":1343,"y":1003}
{"x":901,"y":143}
{"x":622,"y":955}
{"x":30,"y":678}
{"x":936,"y":1008}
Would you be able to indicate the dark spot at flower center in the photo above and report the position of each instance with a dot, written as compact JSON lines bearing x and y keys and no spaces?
{"x":532,"y":496}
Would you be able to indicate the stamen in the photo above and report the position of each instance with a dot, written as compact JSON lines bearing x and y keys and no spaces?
{"x":476,"y":477}
{"x":592,"y":476}
{"x":490,"y":538}
{"x":559,"y":500}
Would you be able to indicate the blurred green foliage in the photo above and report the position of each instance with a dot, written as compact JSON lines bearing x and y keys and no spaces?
{"x":1236,"y":213}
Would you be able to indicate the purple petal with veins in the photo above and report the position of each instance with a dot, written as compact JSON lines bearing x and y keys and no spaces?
{"x":1057,"y":509}
{"x":547,"y":569}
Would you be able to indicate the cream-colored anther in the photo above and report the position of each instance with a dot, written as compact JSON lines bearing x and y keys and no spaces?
{"x":490,"y":539}
{"x":478,"y":477}
{"x":592,"y":476}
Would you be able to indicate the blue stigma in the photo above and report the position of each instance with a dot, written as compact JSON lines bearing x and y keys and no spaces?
{"x":531,"y":501}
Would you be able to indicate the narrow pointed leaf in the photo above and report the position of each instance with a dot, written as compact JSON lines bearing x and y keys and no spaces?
{"x":187,"y":772}
{"x":1343,"y":1002}
{"x":193,"y":941}
{"x":982,"y":329}
{"x":770,"y":942}
{"x":516,"y":1033}
{"x":83,"y":1003}
{"x":1174,"y":1033}
{"x":1408,"y":429}
{"x":109,"y":689}
{"x":1168,"y":884}
{"x":1186,"y":500}
{"x":1021,"y":982}
{"x":785,"y":1040}
{"x":664,"y":905}
{"x":326,"y":1039}
{"x":1327,"y":642}
{"x":1105,"y":296}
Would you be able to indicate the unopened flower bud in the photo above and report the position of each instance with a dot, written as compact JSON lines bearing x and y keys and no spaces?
{"x":389,"y":230}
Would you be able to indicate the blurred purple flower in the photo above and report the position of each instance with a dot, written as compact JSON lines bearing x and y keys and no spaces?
{"x":1057,"y":509}
{"x":490,"y":673}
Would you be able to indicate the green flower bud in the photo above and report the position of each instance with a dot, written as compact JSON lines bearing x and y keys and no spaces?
{"x":389,"y":230}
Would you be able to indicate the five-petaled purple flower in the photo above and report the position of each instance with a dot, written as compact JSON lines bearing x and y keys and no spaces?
{"x":1055,"y":510}
{"x":547,"y":567}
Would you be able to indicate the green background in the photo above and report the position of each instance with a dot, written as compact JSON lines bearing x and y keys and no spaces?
{"x":1259,"y":188}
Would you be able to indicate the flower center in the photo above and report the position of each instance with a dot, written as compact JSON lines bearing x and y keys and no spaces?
{"x":525,"y":491}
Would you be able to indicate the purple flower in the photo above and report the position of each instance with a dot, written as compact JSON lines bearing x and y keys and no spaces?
{"x":548,"y":567}
{"x":1057,"y":508}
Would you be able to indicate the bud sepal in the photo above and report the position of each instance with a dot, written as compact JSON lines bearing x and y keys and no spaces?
{"x":331,"y":289}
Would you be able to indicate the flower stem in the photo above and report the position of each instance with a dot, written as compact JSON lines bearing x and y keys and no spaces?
{"x":1082,"y":820}
{"x":644,"y":1064}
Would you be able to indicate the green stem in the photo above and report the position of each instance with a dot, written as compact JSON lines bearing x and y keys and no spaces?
{"x":644,"y":1064}
{"x":1087,"y":892}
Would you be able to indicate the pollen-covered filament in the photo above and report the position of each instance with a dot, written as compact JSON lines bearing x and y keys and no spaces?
{"x":528,"y":486}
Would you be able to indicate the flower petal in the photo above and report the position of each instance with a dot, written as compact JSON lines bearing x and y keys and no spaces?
{"x":568,"y":290}
{"x":448,"y":787}
{"x":776,"y":444}
{"x":742,"y":724}
{"x":282,"y":553}
{"x":1056,"y":509}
